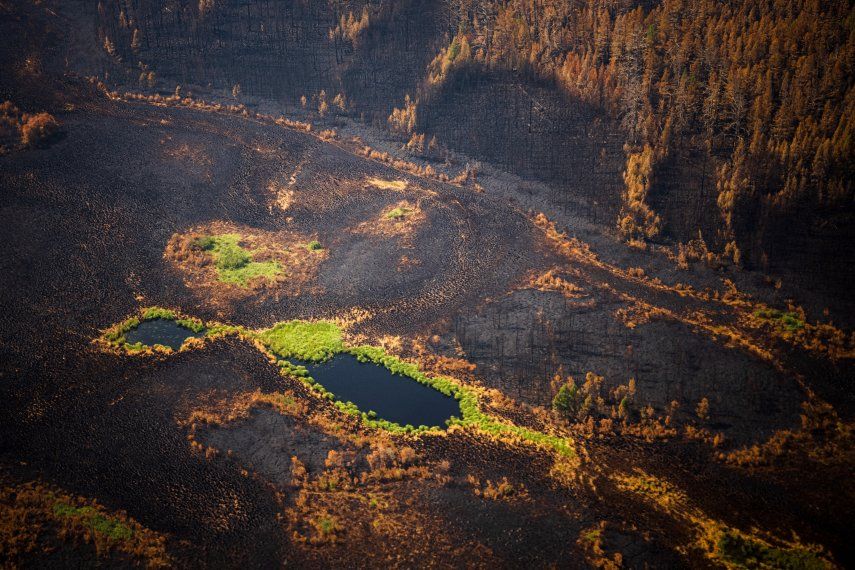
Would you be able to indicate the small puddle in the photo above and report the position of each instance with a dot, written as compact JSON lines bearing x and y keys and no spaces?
{"x":392,"y":397}
{"x":160,"y":331}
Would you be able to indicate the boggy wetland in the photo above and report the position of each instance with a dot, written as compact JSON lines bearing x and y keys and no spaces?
{"x":426,"y":284}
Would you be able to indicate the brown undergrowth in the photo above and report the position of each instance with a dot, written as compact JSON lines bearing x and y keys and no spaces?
{"x":553,"y":280}
{"x":366,"y":491}
{"x":400,"y":220}
{"x":712,"y":538}
{"x":37,"y":521}
{"x":823,"y":439}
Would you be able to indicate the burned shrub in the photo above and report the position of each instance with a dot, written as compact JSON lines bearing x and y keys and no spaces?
{"x":38,"y":130}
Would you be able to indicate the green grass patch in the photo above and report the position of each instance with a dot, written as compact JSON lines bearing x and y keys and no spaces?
{"x":303,"y":340}
{"x":152,"y":313}
{"x":747,"y":553}
{"x":786,"y":320}
{"x":398,"y":213}
{"x":314,"y":245}
{"x":93,"y":519}
{"x":234,"y":263}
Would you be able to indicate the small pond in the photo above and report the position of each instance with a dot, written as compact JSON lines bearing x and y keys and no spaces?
{"x":393,"y":397}
{"x":160,"y":331}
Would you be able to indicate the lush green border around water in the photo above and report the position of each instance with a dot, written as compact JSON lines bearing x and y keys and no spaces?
{"x":318,"y":341}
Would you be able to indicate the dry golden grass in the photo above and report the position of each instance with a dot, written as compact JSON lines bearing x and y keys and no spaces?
{"x":552,"y":281}
{"x":396,"y":185}
{"x":281,"y":195}
{"x":400,"y":220}
{"x":502,"y":490}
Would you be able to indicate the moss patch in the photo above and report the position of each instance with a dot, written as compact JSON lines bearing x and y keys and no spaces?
{"x":234,"y":263}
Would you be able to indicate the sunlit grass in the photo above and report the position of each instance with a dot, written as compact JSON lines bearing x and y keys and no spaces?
{"x":234,"y":263}
{"x":303,"y":340}
{"x":398,"y":213}
{"x":397,"y":185}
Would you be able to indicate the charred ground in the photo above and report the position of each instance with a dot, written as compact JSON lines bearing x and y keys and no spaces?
{"x":499,"y":282}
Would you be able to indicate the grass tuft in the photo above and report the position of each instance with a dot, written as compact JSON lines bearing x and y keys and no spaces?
{"x":398,"y":213}
{"x":786,"y":320}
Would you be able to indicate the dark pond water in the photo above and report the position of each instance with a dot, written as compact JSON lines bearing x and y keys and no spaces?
{"x":393,"y":397}
{"x":160,"y":331}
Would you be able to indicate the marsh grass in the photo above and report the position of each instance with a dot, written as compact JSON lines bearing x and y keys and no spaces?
{"x":36,"y":518}
{"x":233,"y":262}
{"x":303,"y":340}
{"x":116,"y":336}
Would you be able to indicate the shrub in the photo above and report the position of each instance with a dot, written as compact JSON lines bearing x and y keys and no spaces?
{"x":314,"y":245}
{"x":38,"y":129}
{"x":206,"y":243}
{"x":233,"y":258}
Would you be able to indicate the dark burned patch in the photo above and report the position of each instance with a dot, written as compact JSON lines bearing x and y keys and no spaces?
{"x":520,"y":535}
{"x":670,"y":361}
{"x":266,"y":441}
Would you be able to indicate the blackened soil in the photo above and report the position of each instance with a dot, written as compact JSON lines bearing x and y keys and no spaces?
{"x":84,"y":224}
